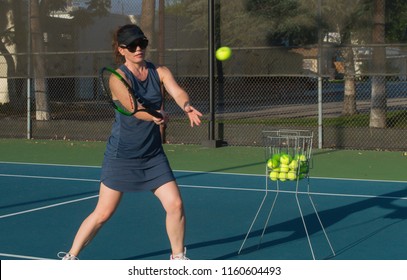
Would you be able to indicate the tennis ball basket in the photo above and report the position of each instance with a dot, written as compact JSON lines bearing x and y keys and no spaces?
{"x":287,"y":164}
{"x":288,"y":154}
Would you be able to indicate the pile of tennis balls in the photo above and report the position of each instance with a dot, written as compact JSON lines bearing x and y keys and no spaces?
{"x":285,"y":167}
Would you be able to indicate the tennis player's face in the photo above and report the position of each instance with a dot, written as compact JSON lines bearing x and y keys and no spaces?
{"x":135,"y":52}
{"x":136,"y":56}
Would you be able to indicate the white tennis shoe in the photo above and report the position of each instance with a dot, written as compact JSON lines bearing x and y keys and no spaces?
{"x":180,"y":256}
{"x":66,"y":256}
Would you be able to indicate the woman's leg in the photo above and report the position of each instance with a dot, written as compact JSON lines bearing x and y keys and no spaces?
{"x":108,"y":201}
{"x":171,"y":200}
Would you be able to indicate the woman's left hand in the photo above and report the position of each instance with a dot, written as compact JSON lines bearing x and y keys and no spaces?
{"x":193,"y":115}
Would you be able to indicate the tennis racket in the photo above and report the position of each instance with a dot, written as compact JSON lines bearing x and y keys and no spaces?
{"x":110,"y":78}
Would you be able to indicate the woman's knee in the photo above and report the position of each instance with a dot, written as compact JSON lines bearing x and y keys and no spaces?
{"x":170,"y":198}
{"x":175,"y":206}
{"x":107,"y":204}
{"x":102,"y":216}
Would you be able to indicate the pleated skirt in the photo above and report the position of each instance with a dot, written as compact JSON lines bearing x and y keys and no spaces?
{"x":132,"y":175}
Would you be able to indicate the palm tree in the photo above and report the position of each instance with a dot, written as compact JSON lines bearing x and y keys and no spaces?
{"x":39,"y":10}
{"x":378,"y":102}
{"x":343,"y":17}
{"x":37,"y":43}
{"x":147,"y":20}
{"x":6,"y":43}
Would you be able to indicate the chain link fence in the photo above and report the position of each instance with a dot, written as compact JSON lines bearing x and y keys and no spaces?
{"x":351,"y":92}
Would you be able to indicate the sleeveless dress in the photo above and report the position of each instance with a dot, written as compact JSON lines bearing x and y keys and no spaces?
{"x":134,"y":158}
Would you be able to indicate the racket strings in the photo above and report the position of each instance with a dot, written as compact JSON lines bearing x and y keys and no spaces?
{"x":111,"y":79}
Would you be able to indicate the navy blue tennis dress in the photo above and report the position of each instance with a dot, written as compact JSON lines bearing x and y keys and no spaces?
{"x":134,"y":159}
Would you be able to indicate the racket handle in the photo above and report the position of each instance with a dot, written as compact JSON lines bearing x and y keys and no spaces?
{"x":157,"y":115}
{"x":152,"y":112}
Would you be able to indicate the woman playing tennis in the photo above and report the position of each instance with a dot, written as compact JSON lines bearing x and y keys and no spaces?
{"x":134,"y":159}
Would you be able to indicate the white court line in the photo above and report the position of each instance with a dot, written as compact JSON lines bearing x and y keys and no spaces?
{"x":184,"y":186}
{"x":48,"y":177}
{"x":181,"y":185}
{"x":213,"y":187}
{"x":208,"y":172}
{"x":22,"y":257}
{"x":302,"y":193}
{"x":318,"y":178}
{"x":48,"y":164}
{"x":47,"y":207}
{"x":209,"y":187}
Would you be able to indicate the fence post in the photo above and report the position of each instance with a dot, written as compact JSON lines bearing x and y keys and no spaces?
{"x":211,"y":142}
{"x":29,"y":126}
{"x":320,"y":131}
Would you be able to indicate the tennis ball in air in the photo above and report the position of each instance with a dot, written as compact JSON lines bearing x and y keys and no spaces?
{"x":274,"y":175}
{"x":292,"y":175}
{"x":285,"y":159}
{"x":223,"y":53}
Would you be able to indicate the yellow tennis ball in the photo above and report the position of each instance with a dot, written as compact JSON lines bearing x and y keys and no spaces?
{"x":292,"y":175}
{"x":285,"y":159}
{"x":223,"y":53}
{"x":284,"y":168}
{"x":276,"y":157}
{"x":293,"y":165}
{"x":272,"y":163}
{"x":274,"y":175}
{"x":303,"y":158}
{"x":282,"y":176}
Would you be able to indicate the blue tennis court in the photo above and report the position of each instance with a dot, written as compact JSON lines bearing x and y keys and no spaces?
{"x":42,"y":205}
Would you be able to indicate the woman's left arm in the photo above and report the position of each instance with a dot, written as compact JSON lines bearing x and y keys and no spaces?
{"x":180,"y":96}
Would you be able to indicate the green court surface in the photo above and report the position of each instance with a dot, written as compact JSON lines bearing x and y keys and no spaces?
{"x":376,"y":165}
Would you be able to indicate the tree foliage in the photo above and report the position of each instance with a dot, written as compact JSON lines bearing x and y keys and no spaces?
{"x":295,"y":22}
{"x":95,"y":8}
{"x":396,"y":26}
{"x":99,"y":7}
{"x":291,"y":22}
{"x":238,"y":27}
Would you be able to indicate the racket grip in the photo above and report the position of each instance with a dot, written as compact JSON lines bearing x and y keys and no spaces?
{"x":157,"y":115}
{"x":153,"y":113}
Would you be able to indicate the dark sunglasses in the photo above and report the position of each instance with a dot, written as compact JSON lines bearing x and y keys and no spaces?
{"x":142,"y":43}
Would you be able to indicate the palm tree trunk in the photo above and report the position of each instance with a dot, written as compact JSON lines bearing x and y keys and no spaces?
{"x":41,"y":97}
{"x":6,"y":83}
{"x":379,"y":99}
{"x":349,"y":100}
{"x":7,"y":27}
{"x":147,"y":23}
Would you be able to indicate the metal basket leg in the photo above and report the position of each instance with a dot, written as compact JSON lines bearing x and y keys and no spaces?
{"x":289,"y":141}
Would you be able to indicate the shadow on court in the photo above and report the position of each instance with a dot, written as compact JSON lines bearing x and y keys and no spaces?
{"x":384,"y":215}
{"x":220,"y":208}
